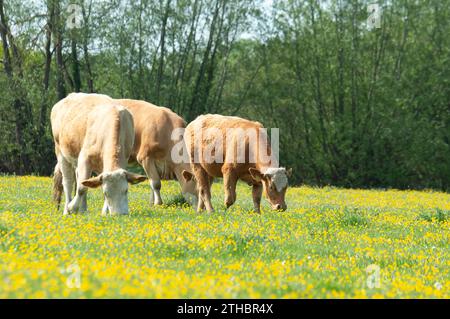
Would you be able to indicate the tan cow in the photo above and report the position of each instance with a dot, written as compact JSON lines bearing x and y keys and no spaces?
{"x":92,"y":132}
{"x":155,"y":139}
{"x":234,"y":148}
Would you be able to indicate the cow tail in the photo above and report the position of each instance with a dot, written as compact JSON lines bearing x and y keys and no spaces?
{"x":57,"y":185}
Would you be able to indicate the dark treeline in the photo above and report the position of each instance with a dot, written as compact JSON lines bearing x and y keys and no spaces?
{"x":356,"y":106}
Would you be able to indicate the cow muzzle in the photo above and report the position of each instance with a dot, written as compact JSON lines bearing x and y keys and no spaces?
{"x":281,"y":207}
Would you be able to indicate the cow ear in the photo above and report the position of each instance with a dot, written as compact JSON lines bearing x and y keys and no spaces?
{"x":93,"y":182}
{"x":135,"y":178}
{"x":187,"y":175}
{"x":289,"y":172}
{"x":256,"y":174}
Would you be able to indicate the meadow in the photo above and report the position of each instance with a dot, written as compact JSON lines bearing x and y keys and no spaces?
{"x":330,"y":243}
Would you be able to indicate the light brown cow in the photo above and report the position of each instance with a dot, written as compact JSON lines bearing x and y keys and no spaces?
{"x":92,"y":132}
{"x":156,"y":136}
{"x":234,"y":148}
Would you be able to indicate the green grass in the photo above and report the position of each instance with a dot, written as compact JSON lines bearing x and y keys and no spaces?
{"x":320,"y":247}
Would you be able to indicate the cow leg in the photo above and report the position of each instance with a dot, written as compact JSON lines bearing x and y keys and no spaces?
{"x":83,"y":171}
{"x":83,"y":204}
{"x":105,"y":209}
{"x":200,"y":205}
{"x":229,"y":182}
{"x":256,"y":194}
{"x":155,"y":180}
{"x":68,"y":174}
{"x":152,"y":194}
{"x":204,"y":189}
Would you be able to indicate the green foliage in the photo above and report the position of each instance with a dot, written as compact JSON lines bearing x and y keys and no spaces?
{"x":354,"y":217}
{"x":437,"y":215}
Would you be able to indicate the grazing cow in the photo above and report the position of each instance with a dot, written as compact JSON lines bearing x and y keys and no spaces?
{"x":234,"y":148}
{"x":154,"y":141}
{"x":92,"y":132}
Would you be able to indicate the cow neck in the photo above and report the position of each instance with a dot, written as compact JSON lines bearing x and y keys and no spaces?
{"x":263,"y":167}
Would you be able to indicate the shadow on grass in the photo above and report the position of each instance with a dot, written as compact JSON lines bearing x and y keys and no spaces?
{"x":176,"y":200}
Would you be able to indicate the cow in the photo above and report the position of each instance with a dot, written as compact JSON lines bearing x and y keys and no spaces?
{"x":92,"y":133}
{"x":214,"y":143}
{"x":156,"y":136}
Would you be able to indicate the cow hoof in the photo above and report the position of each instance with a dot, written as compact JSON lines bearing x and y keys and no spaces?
{"x":72,"y":208}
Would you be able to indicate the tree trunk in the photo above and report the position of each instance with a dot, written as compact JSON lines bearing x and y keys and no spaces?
{"x":162,"y":50}
{"x":87,"y":61}
{"x":75,"y":66}
{"x":22,"y":114}
{"x":60,"y":85}
{"x":199,"y":90}
{"x":47,"y":68}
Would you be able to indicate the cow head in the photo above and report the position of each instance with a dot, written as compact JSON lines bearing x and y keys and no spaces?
{"x":189,"y":188}
{"x":115,"y":189}
{"x":275,"y":183}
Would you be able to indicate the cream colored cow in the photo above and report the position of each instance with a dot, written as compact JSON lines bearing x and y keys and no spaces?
{"x":156,"y":136}
{"x":92,"y":133}
{"x":234,"y":148}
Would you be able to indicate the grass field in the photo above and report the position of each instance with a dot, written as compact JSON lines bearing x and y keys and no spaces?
{"x":330,"y":243}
